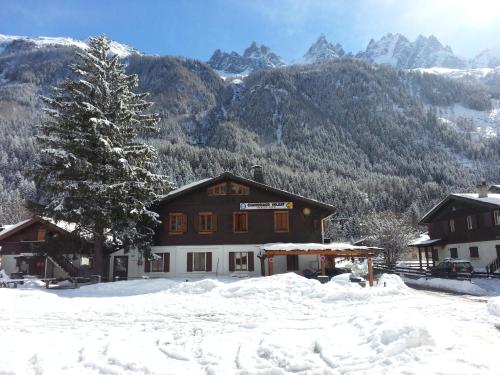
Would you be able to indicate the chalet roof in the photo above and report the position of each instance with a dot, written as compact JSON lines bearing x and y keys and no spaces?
{"x":492,"y":200}
{"x":230,"y":176}
{"x":12,"y":229}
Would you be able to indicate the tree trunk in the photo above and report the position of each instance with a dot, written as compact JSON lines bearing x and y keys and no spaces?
{"x":99,"y":252}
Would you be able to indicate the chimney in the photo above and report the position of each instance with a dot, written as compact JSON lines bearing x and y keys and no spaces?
{"x":482,"y":189}
{"x":258,"y":174}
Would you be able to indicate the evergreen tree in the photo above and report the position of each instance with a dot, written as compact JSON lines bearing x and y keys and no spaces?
{"x":93,"y":170}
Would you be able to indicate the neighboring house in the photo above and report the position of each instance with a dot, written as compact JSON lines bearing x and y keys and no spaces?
{"x":22,"y":250}
{"x":465,"y":226}
{"x":217,"y":226}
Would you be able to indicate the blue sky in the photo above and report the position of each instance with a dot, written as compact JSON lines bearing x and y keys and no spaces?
{"x":196,"y":28}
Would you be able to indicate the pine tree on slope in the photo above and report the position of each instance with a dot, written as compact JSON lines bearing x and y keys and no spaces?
{"x":93,"y":170}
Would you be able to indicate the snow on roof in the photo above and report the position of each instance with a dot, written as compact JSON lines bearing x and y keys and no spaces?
{"x":186,"y":187}
{"x":491,"y":198}
{"x":288,"y":246}
{"x":424,"y":239}
{"x":12,"y":227}
{"x":64,"y":225}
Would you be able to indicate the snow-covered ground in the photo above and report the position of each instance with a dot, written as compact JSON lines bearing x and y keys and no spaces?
{"x":274,"y":325}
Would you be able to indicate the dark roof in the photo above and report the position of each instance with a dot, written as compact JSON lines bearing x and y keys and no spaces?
{"x":495,"y":189}
{"x":492,"y":200}
{"x":230,"y":176}
{"x":12,"y":229}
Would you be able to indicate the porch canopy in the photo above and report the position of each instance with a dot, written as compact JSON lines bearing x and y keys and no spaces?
{"x":426,"y":244}
{"x":330,"y":249}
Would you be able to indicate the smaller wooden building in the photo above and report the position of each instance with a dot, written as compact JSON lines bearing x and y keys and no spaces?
{"x":36,"y":247}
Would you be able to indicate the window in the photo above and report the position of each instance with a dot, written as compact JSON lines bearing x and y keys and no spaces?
{"x":41,"y":234}
{"x":469,"y":222}
{"x":496,"y":217}
{"x":207,"y":222}
{"x":220,"y":189}
{"x":177,"y":223}
{"x":453,"y":252}
{"x":474,"y":252}
{"x":292,"y":262}
{"x":199,"y":262}
{"x":237,"y":189}
{"x":241,"y":261}
{"x":160,"y":262}
{"x":281,"y":223}
{"x":87,"y":261}
{"x":240,"y":222}
{"x":452,"y":225}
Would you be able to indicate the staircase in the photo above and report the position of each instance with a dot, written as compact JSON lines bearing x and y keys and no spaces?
{"x":62,"y":267}
{"x":493,"y":266}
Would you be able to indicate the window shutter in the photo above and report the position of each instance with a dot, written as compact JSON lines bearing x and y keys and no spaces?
{"x":214,"y":222}
{"x":166,"y":223}
{"x":231,"y":262}
{"x":208,"y":266}
{"x":147,"y":265}
{"x":190,"y":262}
{"x":251,"y":266}
{"x":184,"y":223}
{"x":197,"y":220}
{"x":166,"y":262}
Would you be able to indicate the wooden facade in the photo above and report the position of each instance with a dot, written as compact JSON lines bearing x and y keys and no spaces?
{"x":465,"y":226}
{"x":460,"y":221}
{"x":210,"y":214}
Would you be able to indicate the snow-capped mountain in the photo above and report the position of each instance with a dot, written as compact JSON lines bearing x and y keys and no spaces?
{"x":255,"y":57}
{"x":322,"y":50}
{"x":489,"y":58}
{"x":15,"y":42}
{"x":397,"y":51}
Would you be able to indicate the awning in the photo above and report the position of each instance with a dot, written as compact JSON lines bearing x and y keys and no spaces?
{"x":426,"y":243}
{"x":336,"y":249}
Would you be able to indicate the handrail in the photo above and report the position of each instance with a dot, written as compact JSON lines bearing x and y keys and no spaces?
{"x":66,"y":265}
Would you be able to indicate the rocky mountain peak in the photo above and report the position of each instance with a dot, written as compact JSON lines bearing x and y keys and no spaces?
{"x":255,"y":57}
{"x":323,"y":50}
{"x":396,"y":50}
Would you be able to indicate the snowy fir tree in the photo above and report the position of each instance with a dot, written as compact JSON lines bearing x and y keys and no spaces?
{"x":93,"y":170}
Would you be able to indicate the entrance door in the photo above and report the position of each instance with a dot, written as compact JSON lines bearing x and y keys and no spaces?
{"x":498,"y":251}
{"x":120,"y":268}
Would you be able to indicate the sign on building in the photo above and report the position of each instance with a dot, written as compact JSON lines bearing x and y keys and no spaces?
{"x":266,"y":206}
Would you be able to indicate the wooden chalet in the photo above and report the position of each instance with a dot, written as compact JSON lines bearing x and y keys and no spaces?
{"x":465,"y":226}
{"x":43,"y":248}
{"x":218,"y":226}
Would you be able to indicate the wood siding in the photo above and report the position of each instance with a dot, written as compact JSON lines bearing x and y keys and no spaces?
{"x":483,"y":226}
{"x":261,"y":227}
{"x":25,"y":240}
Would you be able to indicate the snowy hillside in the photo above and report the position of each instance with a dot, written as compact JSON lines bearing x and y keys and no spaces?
{"x":7,"y":41}
{"x":477,"y":123}
{"x":283,"y":324}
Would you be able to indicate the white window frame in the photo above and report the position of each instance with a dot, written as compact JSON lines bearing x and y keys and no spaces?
{"x":496,"y":217}
{"x":239,"y":255}
{"x":157,"y":257}
{"x":452,"y":225}
{"x":204,"y":261}
{"x":469,"y":222}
